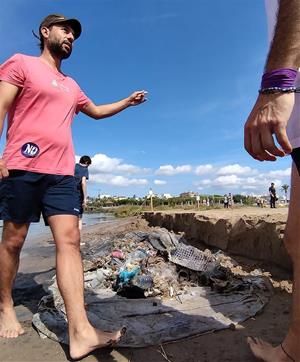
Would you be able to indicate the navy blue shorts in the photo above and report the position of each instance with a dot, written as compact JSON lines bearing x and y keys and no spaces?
{"x":24,"y":196}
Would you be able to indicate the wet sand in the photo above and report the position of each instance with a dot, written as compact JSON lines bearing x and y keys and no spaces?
{"x":37,"y":268}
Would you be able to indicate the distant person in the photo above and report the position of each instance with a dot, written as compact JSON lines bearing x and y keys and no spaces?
{"x":230,"y":200}
{"x":226,"y":202}
{"x":37,"y":171}
{"x":260,"y":202}
{"x":272,"y":194}
{"x":81,"y":176}
{"x":275,"y":117}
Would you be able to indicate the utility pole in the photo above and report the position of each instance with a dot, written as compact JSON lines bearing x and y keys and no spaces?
{"x":151,"y":199}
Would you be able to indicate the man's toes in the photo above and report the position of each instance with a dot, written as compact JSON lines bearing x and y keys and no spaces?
{"x":12,"y":334}
{"x":21,"y":331}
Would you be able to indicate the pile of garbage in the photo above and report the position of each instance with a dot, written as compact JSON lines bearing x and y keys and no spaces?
{"x":140,"y":265}
{"x":176,"y":290}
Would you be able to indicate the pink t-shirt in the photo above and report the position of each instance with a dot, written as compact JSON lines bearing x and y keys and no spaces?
{"x":39,"y":137}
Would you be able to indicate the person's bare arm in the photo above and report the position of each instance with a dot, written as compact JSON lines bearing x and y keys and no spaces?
{"x":285,"y":48}
{"x":271,"y":112}
{"x":8,"y":93}
{"x":107,"y":110}
{"x":84,"y":190}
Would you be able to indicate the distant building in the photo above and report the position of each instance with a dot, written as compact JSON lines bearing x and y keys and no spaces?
{"x":102,"y":196}
{"x":189,"y":194}
{"x":118,"y":198}
{"x":166,"y":196}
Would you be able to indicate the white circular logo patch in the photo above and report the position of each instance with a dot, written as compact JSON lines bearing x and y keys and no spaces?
{"x":30,"y":150}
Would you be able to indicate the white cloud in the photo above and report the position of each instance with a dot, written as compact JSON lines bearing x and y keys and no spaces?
{"x":221,"y":181}
{"x":101,"y":163}
{"x":280,"y":173}
{"x":228,"y":180}
{"x":115,"y":172}
{"x":235,"y":169}
{"x":206,"y":182}
{"x":170,"y":170}
{"x":111,"y":171}
{"x":203,"y":169}
{"x":260,"y":184}
{"x":120,"y":181}
{"x":159,"y":182}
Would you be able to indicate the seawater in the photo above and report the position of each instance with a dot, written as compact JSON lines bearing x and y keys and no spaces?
{"x":39,"y":229}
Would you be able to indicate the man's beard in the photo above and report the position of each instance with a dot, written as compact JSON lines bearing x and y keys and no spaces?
{"x":56,"y":48}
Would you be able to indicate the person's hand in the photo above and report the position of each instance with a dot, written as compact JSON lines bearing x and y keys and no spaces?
{"x":3,"y":169}
{"x":137,"y":98}
{"x":269,"y":116}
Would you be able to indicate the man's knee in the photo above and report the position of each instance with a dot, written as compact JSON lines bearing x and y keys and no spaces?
{"x":13,"y":236}
{"x":13,"y":243}
{"x":69,"y":239}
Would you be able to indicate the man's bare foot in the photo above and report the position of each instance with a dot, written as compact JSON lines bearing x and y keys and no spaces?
{"x":266,"y":352}
{"x":84,"y":342}
{"x":9,"y":324}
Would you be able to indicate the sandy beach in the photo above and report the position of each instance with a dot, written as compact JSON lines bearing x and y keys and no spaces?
{"x":37,"y":268}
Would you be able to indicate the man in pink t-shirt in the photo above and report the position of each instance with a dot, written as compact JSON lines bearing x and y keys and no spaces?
{"x":36,"y":172}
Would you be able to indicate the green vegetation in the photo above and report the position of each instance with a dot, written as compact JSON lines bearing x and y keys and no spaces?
{"x":131,"y":206}
{"x":285,"y":188}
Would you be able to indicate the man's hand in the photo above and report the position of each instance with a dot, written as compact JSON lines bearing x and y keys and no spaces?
{"x":3,"y":169}
{"x":269,"y":116}
{"x":137,"y":98}
{"x":108,"y":110}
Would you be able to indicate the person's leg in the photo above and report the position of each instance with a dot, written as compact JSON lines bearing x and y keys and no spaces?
{"x":290,"y":348}
{"x":80,"y":229}
{"x":80,"y":223}
{"x":83,"y":337}
{"x":13,"y":238}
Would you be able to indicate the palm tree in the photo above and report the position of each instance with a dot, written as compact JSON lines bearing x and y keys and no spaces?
{"x":285,"y":189}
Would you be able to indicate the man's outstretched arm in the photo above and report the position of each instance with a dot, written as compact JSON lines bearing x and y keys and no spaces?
{"x":107,"y":110}
{"x":271,"y":112}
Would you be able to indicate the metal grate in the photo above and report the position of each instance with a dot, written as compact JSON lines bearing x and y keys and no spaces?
{"x":191,"y":258}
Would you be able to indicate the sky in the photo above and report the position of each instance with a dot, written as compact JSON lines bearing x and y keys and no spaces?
{"x":200,"y":61}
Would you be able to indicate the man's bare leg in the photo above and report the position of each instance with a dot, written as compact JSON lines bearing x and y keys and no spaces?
{"x":83,"y":337}
{"x":290,"y":348}
{"x":13,"y":238}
